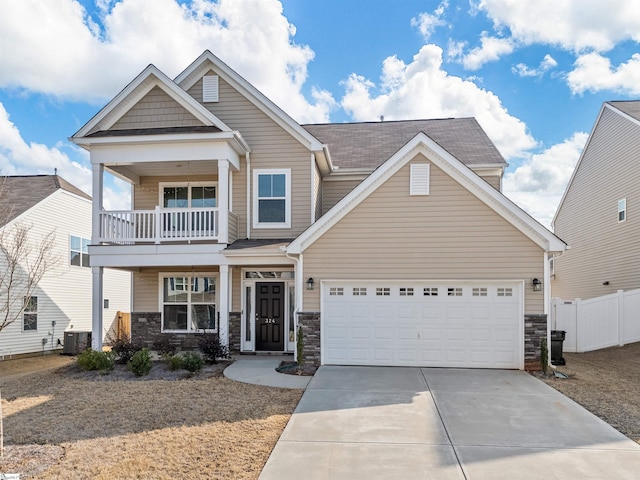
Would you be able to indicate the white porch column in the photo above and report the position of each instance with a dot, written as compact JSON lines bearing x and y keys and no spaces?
{"x":96,"y":308}
{"x":223,"y":201}
{"x":224,"y":305}
{"x":96,"y":205}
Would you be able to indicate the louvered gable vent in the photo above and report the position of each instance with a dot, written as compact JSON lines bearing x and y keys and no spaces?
{"x":419,"y":179}
{"x":210,"y":88}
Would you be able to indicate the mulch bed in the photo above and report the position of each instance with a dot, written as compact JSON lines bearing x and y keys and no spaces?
{"x":292,"y":368}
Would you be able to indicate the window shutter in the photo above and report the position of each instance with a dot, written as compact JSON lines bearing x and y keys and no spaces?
{"x":210,"y":88}
{"x":419,"y":179}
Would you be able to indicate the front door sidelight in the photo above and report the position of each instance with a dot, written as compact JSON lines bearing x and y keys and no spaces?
{"x":270,"y":316}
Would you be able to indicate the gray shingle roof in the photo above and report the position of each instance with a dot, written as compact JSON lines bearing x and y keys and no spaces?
{"x":19,"y":193}
{"x":631,"y":107}
{"x":370,"y":144}
{"x":155,"y":131}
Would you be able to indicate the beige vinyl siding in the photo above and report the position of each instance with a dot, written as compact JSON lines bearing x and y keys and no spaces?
{"x":146,"y":196}
{"x":601,"y":248}
{"x":334,"y":190}
{"x":493,"y":180}
{"x":145,"y":285}
{"x":156,"y":109}
{"x":271,"y":147}
{"x":449,"y":234}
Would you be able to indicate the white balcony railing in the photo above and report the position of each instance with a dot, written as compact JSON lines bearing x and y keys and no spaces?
{"x":159,"y":225}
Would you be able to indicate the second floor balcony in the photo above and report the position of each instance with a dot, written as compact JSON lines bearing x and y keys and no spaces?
{"x":164,"y":225}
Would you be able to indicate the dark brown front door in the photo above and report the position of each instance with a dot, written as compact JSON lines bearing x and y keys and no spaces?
{"x":270,"y":316}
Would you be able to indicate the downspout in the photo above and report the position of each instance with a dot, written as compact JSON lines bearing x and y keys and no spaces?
{"x":247,"y":158}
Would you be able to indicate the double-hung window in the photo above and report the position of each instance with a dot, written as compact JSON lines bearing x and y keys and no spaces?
{"x":79,"y":251}
{"x":188,"y":303}
{"x":272,"y":198}
{"x":30,"y":314}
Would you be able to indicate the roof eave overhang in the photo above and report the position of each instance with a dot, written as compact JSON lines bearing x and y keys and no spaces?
{"x":128,"y":96}
{"x":421,"y":143}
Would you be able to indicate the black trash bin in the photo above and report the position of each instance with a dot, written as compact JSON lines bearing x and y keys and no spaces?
{"x":557,"y":337}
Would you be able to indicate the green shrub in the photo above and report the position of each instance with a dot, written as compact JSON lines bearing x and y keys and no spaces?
{"x":140,"y":363}
{"x":93,"y":360}
{"x":124,"y":350}
{"x":192,"y":361}
{"x":164,"y":346}
{"x":209,"y":345}
{"x":175,"y":362}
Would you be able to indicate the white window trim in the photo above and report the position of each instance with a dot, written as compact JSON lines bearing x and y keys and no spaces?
{"x":622,"y":201}
{"x":272,"y":171}
{"x":162,"y":185}
{"x":162,"y":276}
{"x":25,"y":311}
{"x":80,"y":251}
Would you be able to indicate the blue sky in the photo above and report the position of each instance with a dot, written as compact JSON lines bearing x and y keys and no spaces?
{"x":534,"y":74}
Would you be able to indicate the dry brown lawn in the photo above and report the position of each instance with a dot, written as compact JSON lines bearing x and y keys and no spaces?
{"x":607,"y":383}
{"x":155,"y":429}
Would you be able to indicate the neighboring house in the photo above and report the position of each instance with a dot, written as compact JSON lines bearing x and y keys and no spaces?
{"x":598,"y":214}
{"x":385,"y":243}
{"x":62,"y":299}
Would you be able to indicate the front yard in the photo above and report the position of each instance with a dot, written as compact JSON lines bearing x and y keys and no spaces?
{"x":194,"y":428}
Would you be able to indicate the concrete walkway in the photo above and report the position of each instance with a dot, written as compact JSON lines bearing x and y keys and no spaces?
{"x":261,"y":370}
{"x":385,"y":422}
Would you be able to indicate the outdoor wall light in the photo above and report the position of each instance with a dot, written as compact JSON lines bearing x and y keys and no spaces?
{"x":537,"y":285}
{"x":606,"y":282}
{"x":310,"y":284}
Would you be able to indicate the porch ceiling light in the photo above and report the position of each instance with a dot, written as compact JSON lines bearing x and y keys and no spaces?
{"x":537,"y":285}
{"x":310,"y":284}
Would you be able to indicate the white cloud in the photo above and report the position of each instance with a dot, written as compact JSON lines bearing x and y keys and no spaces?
{"x":428,"y":22}
{"x":573,"y":25}
{"x":421,"y":89}
{"x":18,"y":157}
{"x":57,"y":50}
{"x":523,"y":70}
{"x":593,"y":72}
{"x":490,"y":50}
{"x":539,"y":183}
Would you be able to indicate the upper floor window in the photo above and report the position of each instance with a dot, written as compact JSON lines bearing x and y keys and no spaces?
{"x":189,"y":196}
{"x":272,"y":198}
{"x":30,"y":314}
{"x":79,"y":252}
{"x":622,"y":210}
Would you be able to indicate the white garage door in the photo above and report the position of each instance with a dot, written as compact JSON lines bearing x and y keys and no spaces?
{"x":455,"y":324}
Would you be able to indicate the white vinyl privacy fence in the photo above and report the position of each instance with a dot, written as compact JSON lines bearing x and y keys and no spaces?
{"x":598,"y":322}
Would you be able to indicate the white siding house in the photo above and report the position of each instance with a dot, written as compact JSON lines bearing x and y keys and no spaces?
{"x":62,"y":299}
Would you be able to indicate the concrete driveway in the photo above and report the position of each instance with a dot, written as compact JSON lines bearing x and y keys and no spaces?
{"x":427,"y":423}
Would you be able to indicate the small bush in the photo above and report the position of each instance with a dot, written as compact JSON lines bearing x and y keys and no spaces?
{"x":140,"y":363}
{"x":209,"y":345}
{"x":164,"y":346}
{"x":124,"y":350}
{"x":93,"y":360}
{"x":192,"y":361}
{"x":175,"y":362}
